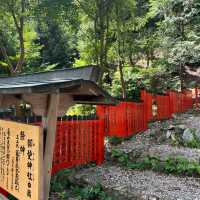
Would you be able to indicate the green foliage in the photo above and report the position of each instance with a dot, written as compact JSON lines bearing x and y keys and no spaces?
{"x":195,"y":143}
{"x":120,"y":156}
{"x":60,"y":182}
{"x":10,"y":197}
{"x":137,"y":78}
{"x":61,"y":185}
{"x":181,"y":166}
{"x":161,"y":37}
{"x":58,"y":48}
{"x":177,"y":140}
{"x":91,"y":193}
{"x":115,"y":140}
{"x":179,"y":33}
{"x":81,"y":110}
{"x":171,"y":165}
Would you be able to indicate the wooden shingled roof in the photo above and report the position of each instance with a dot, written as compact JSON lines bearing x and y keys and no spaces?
{"x":81,"y":83}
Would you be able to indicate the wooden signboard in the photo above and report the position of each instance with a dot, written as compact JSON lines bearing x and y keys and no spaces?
{"x":21,"y":158}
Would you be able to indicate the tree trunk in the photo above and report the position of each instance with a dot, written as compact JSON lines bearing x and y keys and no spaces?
{"x":181,"y":77}
{"x":102,"y":33}
{"x":122,"y":80}
{"x":120,"y":54}
{"x":19,"y":25}
{"x":20,"y":63}
{"x":148,"y":60}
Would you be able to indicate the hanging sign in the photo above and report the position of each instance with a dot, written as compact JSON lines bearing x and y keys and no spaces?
{"x":21,"y":156}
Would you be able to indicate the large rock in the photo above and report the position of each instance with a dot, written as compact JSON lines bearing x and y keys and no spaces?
{"x":188,"y":135}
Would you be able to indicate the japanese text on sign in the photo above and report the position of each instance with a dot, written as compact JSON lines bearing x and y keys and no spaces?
{"x":20,"y":159}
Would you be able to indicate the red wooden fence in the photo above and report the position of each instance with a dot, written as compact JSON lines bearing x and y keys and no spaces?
{"x":162,"y":102}
{"x":197,"y":97}
{"x":124,"y":119}
{"x":78,"y":142}
{"x":187,"y":101}
{"x":128,"y":118}
{"x":136,"y":121}
{"x":163,"y":107}
{"x":180,"y":102}
{"x":147,"y":98}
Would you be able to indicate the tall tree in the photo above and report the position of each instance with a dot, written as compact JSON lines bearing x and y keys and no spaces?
{"x":18,"y":10}
{"x":179,"y":30}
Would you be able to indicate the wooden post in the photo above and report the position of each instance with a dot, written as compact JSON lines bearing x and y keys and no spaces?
{"x":57,"y":104}
{"x":51,"y":123}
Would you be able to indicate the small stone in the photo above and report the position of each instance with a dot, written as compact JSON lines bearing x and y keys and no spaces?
{"x":168,"y":134}
{"x":182,"y":126}
{"x":171,"y":127}
{"x":188,"y":135}
{"x":153,"y":198}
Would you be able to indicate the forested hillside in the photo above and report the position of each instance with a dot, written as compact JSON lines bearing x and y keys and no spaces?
{"x":136,"y":43}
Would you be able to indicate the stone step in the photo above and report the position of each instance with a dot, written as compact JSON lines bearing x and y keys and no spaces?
{"x":123,"y":184}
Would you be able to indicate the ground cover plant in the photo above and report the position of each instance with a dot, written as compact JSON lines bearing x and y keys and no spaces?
{"x":177,"y":165}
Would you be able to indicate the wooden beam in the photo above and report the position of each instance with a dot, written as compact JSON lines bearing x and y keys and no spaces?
{"x":38,"y":103}
{"x":51,"y":124}
{"x":9,"y":100}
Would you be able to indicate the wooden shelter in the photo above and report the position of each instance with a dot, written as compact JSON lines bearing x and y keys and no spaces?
{"x":50,"y":94}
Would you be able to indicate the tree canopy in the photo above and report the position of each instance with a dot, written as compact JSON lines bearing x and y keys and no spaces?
{"x":131,"y":41}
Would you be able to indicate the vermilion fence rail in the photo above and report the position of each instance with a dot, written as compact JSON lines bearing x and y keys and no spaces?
{"x":188,"y":100}
{"x":128,"y":118}
{"x":147,"y":99}
{"x":136,"y":121}
{"x":161,"y":102}
{"x":163,"y":107}
{"x":180,"y":102}
{"x":78,"y":142}
{"x":114,"y":118}
{"x":197,"y":97}
{"x":124,"y":119}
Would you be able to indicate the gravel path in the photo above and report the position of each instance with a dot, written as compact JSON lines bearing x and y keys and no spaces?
{"x":147,"y":185}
